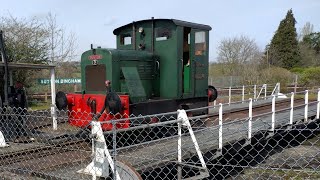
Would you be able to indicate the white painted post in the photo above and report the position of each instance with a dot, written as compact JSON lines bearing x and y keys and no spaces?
{"x":295,"y":84}
{"x":179,"y":151}
{"x":185,"y":122}
{"x":229,"y":95}
{"x":255,"y":92}
{"x":291,"y":108}
{"x":273,"y":112}
{"x":278,"y":88}
{"x":306,"y":101}
{"x":265,"y":91}
{"x":318,"y":104}
{"x":2,"y":141}
{"x":53,"y":99}
{"x":220,"y":126}
{"x":250,"y":120}
{"x":242,"y":94}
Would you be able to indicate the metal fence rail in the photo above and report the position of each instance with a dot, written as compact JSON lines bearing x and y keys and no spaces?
{"x":282,"y":141}
{"x":241,"y":93}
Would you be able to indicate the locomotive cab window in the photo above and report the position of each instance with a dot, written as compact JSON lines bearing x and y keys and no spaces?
{"x":200,"y":43}
{"x":162,"y":34}
{"x":125,"y":39}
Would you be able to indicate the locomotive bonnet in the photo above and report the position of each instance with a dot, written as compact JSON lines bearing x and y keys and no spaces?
{"x":159,"y":65}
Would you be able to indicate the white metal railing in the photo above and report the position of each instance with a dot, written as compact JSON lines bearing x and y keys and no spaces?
{"x":253,"y":91}
{"x":273,"y":112}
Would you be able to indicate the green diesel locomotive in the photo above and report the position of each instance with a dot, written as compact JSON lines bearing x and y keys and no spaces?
{"x":160,"y":65}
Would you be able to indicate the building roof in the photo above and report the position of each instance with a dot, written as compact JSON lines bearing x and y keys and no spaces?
{"x":175,"y":21}
{"x":27,"y":66}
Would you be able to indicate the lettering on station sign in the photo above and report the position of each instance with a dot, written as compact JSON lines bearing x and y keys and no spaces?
{"x":61,"y":81}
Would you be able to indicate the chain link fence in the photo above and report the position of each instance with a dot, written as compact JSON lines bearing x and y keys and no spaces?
{"x":265,"y":138}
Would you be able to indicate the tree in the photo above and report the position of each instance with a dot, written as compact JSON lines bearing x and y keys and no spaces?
{"x":26,"y":40}
{"x":236,"y":53}
{"x":61,"y":47}
{"x":309,"y":46}
{"x":306,"y":30}
{"x":35,"y":41}
{"x":309,"y":56}
{"x":313,"y":41}
{"x":284,"y":50}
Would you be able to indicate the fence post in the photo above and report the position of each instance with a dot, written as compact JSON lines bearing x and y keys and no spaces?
{"x":250,"y":120}
{"x":179,"y":152}
{"x":295,"y":84}
{"x":265,"y":91}
{"x":220,"y":127}
{"x":318,"y":104}
{"x":229,"y":95}
{"x":114,"y":153}
{"x":273,"y":112}
{"x":74,"y":87}
{"x":255,"y":92}
{"x":242,"y":94}
{"x":306,"y":100}
{"x":53,"y":99}
{"x":291,"y":108}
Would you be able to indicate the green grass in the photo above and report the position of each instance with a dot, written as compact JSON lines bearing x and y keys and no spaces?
{"x":39,"y":106}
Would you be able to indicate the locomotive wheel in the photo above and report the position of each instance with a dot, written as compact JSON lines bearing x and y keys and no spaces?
{"x":113,"y":102}
{"x":212,"y":93}
{"x":61,"y":101}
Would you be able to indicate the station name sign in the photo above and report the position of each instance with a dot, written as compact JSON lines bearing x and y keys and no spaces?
{"x":61,"y":81}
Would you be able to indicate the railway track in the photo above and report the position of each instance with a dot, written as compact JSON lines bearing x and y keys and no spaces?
{"x":40,"y":152}
{"x":262,"y":106}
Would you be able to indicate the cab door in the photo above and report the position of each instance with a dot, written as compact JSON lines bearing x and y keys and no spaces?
{"x":187,"y":60}
{"x":200,"y":62}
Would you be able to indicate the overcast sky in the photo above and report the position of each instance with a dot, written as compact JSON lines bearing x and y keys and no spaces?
{"x":93,"y":21}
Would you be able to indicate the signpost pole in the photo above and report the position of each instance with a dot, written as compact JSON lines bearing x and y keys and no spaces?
{"x":53,"y":100}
